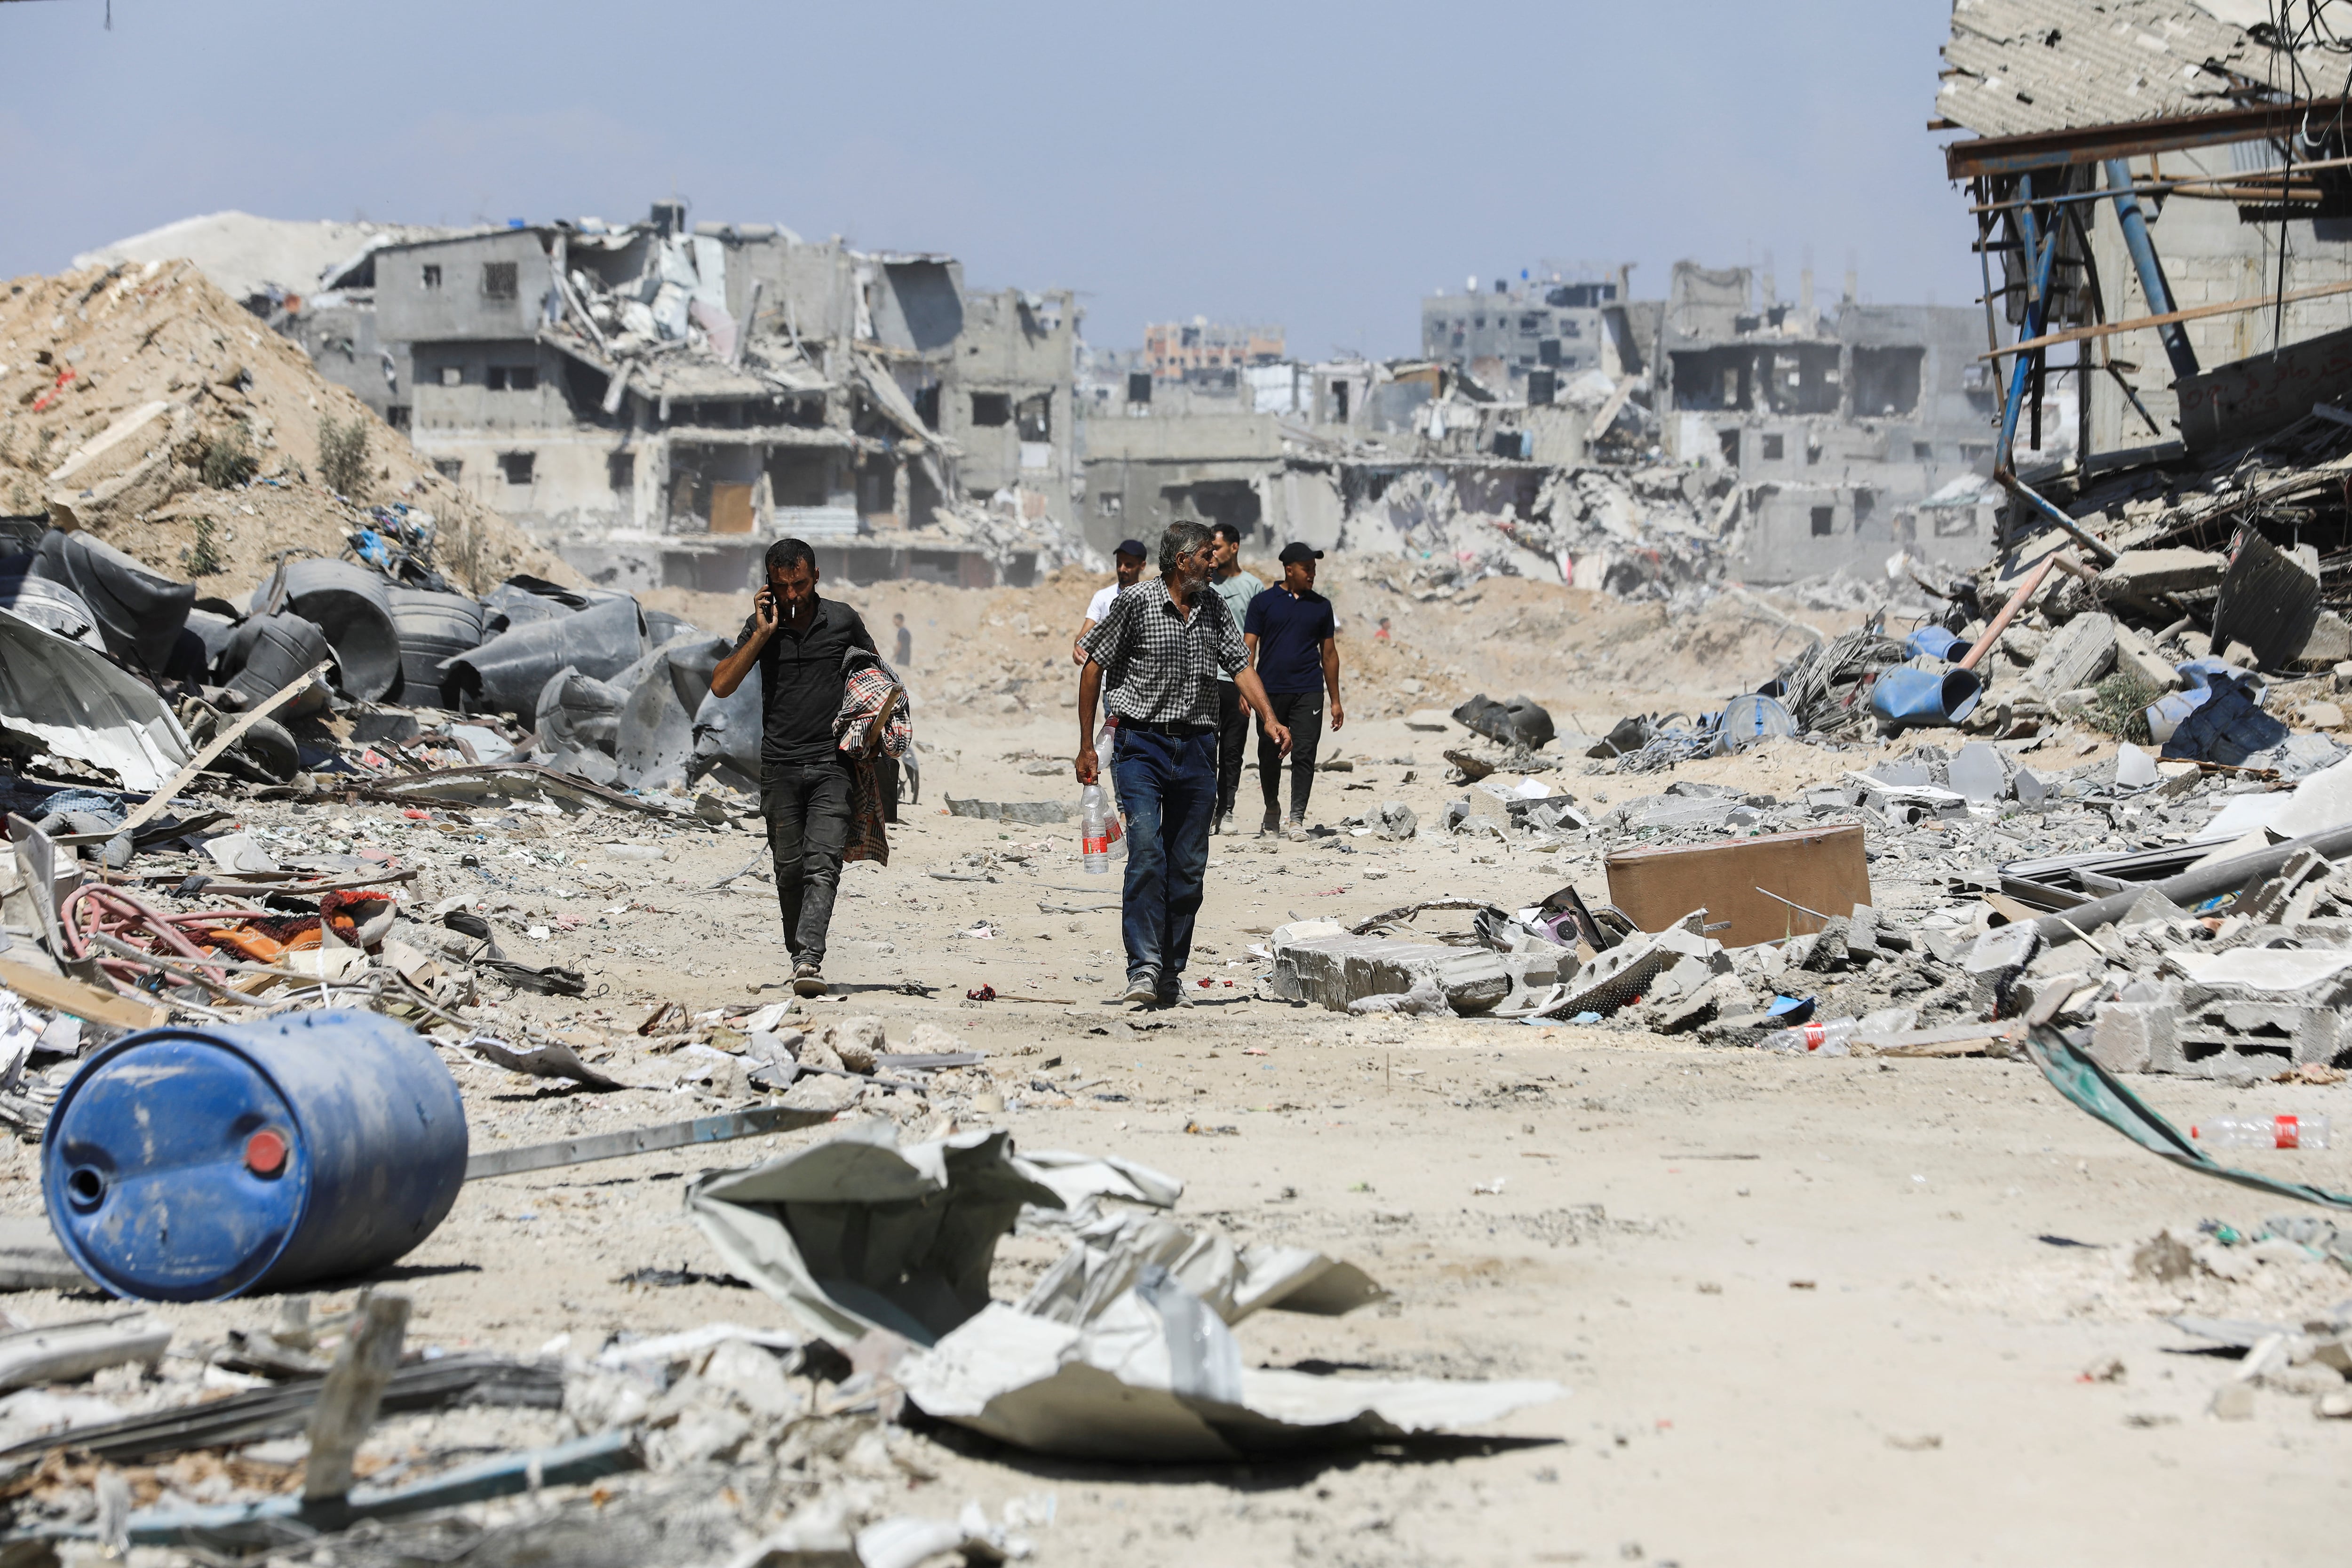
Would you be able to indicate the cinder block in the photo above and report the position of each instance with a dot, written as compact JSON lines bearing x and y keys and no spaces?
{"x":1335,"y":971}
{"x":2129,"y":1036}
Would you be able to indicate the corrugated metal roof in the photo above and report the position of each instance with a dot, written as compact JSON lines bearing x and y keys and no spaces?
{"x":2013,"y":66}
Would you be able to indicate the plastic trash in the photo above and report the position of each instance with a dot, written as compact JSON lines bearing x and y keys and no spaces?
{"x":138,"y":612}
{"x":1904,"y":696}
{"x":2261,"y":1132}
{"x":433,"y":628}
{"x":1934,"y":642}
{"x":1752,"y":718}
{"x":265,"y":654}
{"x":1094,"y":830}
{"x":353,"y":606}
{"x":508,"y":672}
{"x":1816,"y":1039}
{"x":316,"y":1146}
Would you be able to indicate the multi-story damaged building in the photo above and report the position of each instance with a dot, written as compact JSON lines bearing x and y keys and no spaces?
{"x":657,"y":400}
{"x":1526,"y":337}
{"x":1853,"y":433}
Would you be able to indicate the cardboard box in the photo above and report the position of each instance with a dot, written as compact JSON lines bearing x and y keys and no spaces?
{"x":1822,"y":868}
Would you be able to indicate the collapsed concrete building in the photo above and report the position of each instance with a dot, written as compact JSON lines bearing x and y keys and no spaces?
{"x":1526,"y":336}
{"x":656,"y":401}
{"x":1853,"y":433}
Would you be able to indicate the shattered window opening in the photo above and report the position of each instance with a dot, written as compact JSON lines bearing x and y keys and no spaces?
{"x":448,"y":468}
{"x":398,"y":416}
{"x":515,"y":468}
{"x":992,"y":408}
{"x":1824,"y":520}
{"x":511,"y":378}
{"x":499,"y":281}
{"x":1036,"y":415}
{"x":621,"y":470}
{"x":431,"y":275}
{"x":1775,"y":448}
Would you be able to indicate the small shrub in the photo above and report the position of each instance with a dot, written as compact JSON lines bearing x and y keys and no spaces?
{"x":229,"y":460}
{"x":2121,"y":706}
{"x":343,"y":456}
{"x":203,"y":558}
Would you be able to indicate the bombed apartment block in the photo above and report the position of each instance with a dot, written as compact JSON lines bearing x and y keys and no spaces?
{"x":1854,"y":432}
{"x":1520,"y":337}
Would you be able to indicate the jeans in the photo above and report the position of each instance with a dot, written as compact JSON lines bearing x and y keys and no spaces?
{"x":1232,"y":744}
{"x":1301,"y":712}
{"x":807,"y":807}
{"x":1167,"y":797}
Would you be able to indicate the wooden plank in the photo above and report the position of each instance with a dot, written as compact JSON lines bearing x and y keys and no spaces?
{"x":348,"y":1398}
{"x":66,"y":995}
{"x":216,"y":746}
{"x":2195,"y":313}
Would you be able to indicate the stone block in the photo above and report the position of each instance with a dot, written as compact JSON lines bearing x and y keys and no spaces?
{"x":2143,"y":573}
{"x":2328,"y":644}
{"x":2135,"y":654}
{"x":2129,"y":1036}
{"x":1995,"y":963}
{"x":1979,"y":772}
{"x":1333,"y":971}
{"x":2076,"y":656}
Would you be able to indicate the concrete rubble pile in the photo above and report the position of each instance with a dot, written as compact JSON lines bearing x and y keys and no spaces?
{"x":1640,"y":533}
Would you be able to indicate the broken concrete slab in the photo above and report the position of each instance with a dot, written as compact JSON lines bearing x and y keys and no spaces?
{"x":1335,"y":970}
{"x":2144,"y":573}
{"x":2129,"y":1036}
{"x":1979,"y":772}
{"x":2135,"y":656}
{"x":2076,"y":656}
{"x":1995,"y":963}
{"x":1029,"y":811}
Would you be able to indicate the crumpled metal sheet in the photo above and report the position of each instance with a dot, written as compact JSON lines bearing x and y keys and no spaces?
{"x":727,"y":735}
{"x":856,"y":1234}
{"x":82,"y":707}
{"x":578,"y":722}
{"x":139,"y":611}
{"x":662,"y":694}
{"x":1157,"y":1377}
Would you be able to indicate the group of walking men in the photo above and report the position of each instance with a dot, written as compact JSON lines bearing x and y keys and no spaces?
{"x":1177,"y":663}
{"x":1181,"y":662}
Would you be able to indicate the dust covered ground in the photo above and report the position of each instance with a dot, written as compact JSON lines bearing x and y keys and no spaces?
{"x":1808,"y":1310}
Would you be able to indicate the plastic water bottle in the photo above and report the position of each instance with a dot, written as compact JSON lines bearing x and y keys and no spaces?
{"x":1819,"y":1039}
{"x":1093,"y":832}
{"x":2261,"y":1131}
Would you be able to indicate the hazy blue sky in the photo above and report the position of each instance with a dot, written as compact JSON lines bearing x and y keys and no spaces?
{"x":1320,"y":165}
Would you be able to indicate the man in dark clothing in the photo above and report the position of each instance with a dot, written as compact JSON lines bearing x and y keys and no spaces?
{"x":1158,"y":651}
{"x":906,"y":650}
{"x":797,"y":641}
{"x":1294,"y":641}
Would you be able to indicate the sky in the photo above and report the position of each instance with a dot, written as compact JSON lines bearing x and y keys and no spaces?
{"x":1322,"y":166}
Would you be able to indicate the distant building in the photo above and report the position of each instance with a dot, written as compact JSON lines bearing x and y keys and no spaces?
{"x":1205,"y":352}
{"x":1499,"y":337}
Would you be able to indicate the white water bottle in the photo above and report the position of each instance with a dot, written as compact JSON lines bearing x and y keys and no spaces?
{"x":2261,"y":1131}
{"x":1818,"y":1039}
{"x":1094,"y":830}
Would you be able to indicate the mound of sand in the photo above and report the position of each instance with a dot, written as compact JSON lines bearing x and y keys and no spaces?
{"x":140,"y":402}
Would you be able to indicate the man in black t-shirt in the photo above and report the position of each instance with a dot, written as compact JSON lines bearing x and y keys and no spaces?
{"x":797,"y":641}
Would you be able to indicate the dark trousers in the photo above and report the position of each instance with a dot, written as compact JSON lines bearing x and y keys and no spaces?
{"x":1300,"y":712}
{"x":1167,"y":797}
{"x":807,"y":807}
{"x":1232,"y":744}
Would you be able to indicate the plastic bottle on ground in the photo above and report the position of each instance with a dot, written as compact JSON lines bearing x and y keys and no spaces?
{"x":1817,"y":1039}
{"x":1093,"y":831}
{"x":2261,"y":1132}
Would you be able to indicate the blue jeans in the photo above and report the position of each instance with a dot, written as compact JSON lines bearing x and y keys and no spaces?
{"x":1167,"y":798}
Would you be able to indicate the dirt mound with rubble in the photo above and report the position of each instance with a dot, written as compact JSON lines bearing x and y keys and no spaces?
{"x":142,"y":403}
{"x":1005,"y":653}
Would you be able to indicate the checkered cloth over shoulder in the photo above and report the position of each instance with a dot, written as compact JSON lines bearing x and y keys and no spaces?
{"x":1159,"y":664}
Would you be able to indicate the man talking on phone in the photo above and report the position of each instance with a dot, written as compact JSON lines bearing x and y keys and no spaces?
{"x":798,"y":642}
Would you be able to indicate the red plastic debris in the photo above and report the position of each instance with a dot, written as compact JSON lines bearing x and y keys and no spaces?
{"x":265,"y":1153}
{"x":985,"y":994}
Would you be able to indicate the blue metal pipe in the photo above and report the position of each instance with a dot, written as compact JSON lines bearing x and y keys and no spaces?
{"x":2151,"y":271}
{"x":2043,"y":256}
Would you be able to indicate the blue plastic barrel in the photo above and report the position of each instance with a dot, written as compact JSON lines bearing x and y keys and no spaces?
{"x":196,"y":1165}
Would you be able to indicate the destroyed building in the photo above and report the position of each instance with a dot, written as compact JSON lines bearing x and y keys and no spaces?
{"x":1854,"y":432}
{"x":1526,"y":336}
{"x":656,"y":403}
{"x":1203,"y":353}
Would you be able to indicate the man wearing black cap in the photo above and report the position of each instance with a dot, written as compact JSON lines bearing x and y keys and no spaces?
{"x":1294,"y":642}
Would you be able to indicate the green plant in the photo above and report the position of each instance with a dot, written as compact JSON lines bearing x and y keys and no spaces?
{"x":203,"y":558}
{"x":229,"y":460}
{"x":2121,"y":706}
{"x":343,"y":456}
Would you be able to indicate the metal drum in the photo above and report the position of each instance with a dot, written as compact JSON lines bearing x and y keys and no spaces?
{"x":194,"y":1164}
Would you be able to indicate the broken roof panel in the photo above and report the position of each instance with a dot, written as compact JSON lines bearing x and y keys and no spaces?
{"x":2015,"y":68}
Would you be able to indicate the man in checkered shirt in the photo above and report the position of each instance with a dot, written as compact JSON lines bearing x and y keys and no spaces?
{"x":1161,"y":645}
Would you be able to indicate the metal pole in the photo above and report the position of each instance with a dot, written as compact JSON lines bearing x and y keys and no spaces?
{"x":2151,"y":270}
{"x":2040,"y":257}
